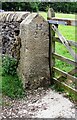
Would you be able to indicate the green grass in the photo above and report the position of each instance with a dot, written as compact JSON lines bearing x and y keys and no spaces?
{"x":60,"y":15}
{"x":0,"y":75}
{"x":10,"y":85}
{"x":0,"y":82}
{"x":69,"y":33}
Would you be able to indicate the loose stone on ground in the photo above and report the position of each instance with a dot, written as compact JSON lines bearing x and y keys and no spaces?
{"x":40,"y":103}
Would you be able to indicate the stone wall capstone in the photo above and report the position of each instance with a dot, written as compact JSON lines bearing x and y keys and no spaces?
{"x":34,"y":67}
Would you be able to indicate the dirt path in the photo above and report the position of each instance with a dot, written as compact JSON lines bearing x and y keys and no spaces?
{"x":39,"y":104}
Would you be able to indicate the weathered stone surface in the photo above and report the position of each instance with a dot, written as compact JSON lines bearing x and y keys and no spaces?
{"x":33,"y":65}
{"x":13,"y":16}
{"x":50,"y":13}
{"x":8,"y":22}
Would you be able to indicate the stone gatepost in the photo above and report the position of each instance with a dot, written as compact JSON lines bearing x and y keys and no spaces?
{"x":34,"y":66}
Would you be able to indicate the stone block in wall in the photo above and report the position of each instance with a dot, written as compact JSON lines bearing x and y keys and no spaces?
{"x":9,"y":21}
{"x":34,"y":66}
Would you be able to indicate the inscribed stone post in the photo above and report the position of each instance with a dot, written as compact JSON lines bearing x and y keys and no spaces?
{"x":34,"y":66}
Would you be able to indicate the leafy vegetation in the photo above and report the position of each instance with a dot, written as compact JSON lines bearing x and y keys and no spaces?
{"x":64,"y":7}
{"x":0,"y":76}
{"x":11,"y":84}
{"x":9,"y":65}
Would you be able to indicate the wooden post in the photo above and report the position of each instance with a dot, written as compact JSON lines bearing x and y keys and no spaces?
{"x":51,"y":14}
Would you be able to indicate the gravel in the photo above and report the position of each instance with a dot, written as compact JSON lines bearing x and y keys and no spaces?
{"x":40,"y":103}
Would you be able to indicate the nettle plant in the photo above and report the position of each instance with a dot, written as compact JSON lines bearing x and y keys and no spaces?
{"x":9,"y":65}
{"x":11,"y":84}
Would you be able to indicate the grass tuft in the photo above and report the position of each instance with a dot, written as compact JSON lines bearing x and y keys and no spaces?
{"x":10,"y":84}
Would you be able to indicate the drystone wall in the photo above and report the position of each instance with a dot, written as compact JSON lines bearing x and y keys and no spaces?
{"x":33,"y":66}
{"x":9,"y":21}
